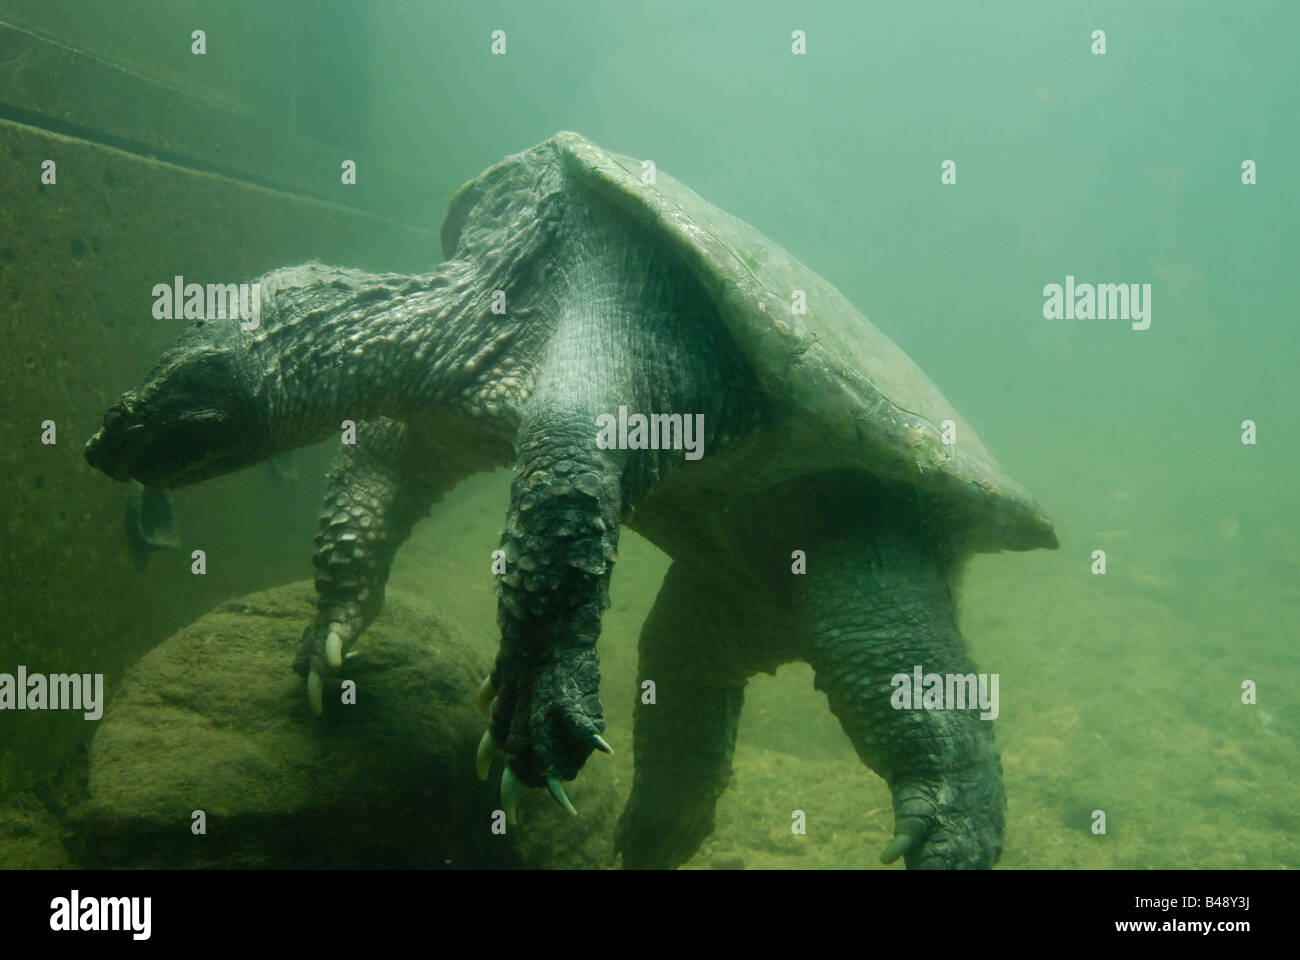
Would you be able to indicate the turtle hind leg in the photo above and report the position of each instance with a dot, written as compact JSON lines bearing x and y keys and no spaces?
{"x":876,"y":604}
{"x":683,"y":742}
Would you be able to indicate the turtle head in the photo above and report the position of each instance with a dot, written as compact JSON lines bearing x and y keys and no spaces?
{"x":193,"y":418}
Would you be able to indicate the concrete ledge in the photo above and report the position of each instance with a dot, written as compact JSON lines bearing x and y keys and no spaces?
{"x":78,"y":260}
{"x":46,"y":84}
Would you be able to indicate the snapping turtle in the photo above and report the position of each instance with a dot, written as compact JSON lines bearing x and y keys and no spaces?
{"x":638,"y":357}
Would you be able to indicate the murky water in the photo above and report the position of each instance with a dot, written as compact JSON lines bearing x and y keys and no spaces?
{"x":942,"y":165}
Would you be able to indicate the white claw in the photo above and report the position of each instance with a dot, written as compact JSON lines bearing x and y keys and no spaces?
{"x":601,"y":744}
{"x":314,"y":694}
{"x":487,"y":749}
{"x":334,"y":650}
{"x":557,"y":791}
{"x":509,"y":794}
{"x":898,"y":846}
{"x":485,"y":694}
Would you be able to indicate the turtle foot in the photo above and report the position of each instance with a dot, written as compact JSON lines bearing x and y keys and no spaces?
{"x":948,"y":821}
{"x":321,"y":657}
{"x":546,"y":721}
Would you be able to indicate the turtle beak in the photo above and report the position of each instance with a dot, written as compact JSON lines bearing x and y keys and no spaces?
{"x":117,"y":445}
{"x":1045,"y":533}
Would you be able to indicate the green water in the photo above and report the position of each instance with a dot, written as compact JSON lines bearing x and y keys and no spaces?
{"x":1120,"y":692}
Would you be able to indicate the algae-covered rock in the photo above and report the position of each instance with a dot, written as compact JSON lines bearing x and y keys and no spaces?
{"x":214,"y":720}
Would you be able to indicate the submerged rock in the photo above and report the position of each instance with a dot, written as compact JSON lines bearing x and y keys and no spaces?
{"x":214,"y":720}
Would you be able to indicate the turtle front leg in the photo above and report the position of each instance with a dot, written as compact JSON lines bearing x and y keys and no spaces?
{"x":560,"y":542}
{"x":877,"y":604}
{"x":376,"y":491}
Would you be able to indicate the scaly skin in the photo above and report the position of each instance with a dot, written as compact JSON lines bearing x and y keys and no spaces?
{"x":375,"y":493}
{"x":622,"y":322}
{"x":875,"y":601}
{"x":442,"y":382}
{"x":612,"y":326}
{"x":878,"y":605}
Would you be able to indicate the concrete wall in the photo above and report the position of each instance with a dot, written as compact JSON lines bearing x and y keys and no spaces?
{"x":250,"y":69}
{"x":136,"y":202}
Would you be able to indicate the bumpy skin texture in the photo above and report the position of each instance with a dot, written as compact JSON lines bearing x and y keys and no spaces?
{"x":879,"y":604}
{"x":876,"y":600}
{"x":555,"y":308}
{"x":376,"y":491}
